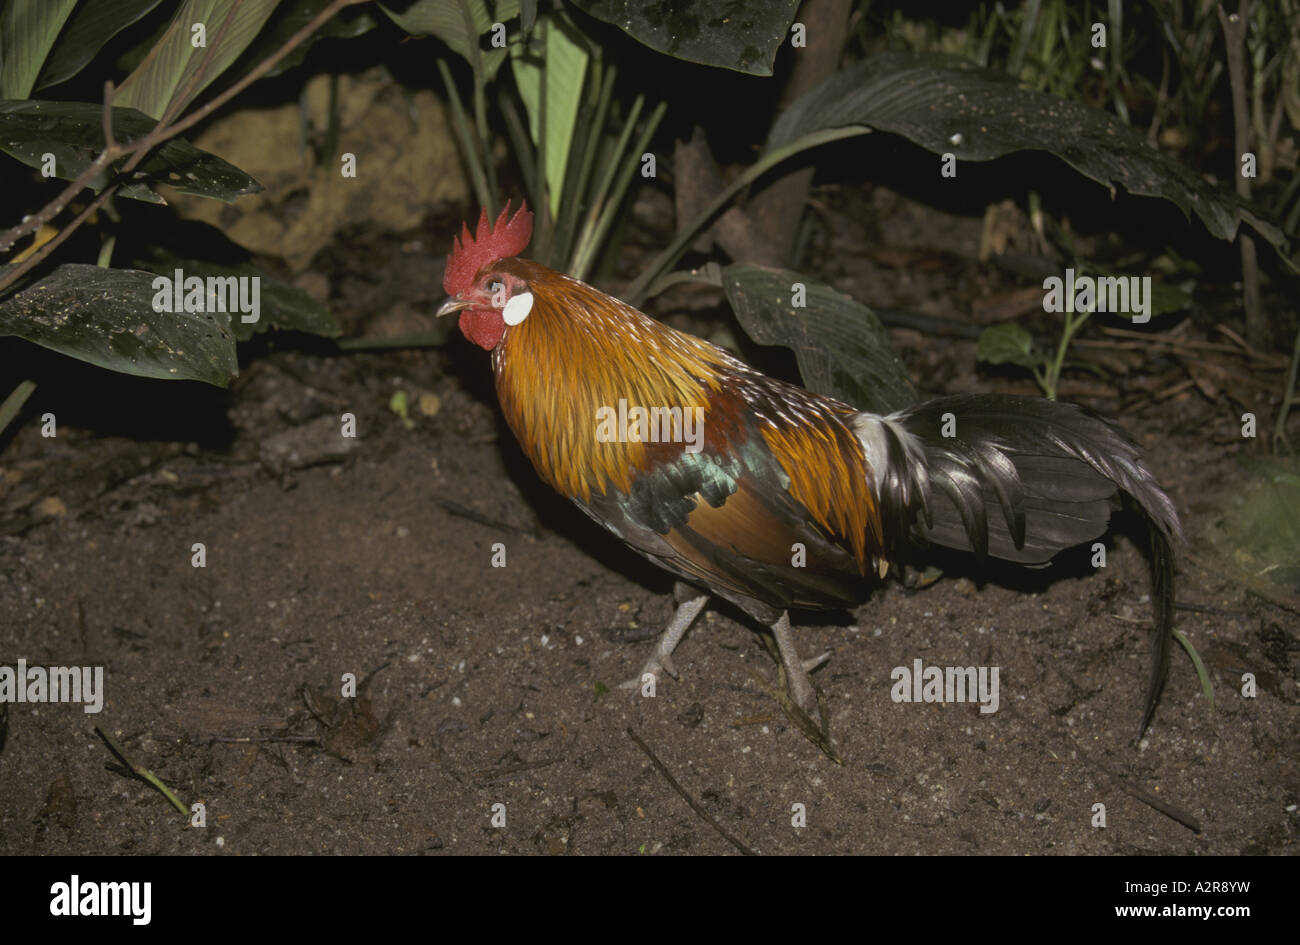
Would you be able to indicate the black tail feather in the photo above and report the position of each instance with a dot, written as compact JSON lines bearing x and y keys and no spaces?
{"x":1162,"y":600}
{"x":1055,"y":472}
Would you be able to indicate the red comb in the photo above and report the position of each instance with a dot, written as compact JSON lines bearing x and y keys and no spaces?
{"x":472,"y":252}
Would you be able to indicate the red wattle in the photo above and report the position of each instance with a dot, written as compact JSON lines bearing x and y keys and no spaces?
{"x":483,"y":326}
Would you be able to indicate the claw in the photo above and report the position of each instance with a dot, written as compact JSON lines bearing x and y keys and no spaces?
{"x":661,"y":660}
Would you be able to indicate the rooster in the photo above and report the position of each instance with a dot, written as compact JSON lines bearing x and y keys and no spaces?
{"x":783,"y":498}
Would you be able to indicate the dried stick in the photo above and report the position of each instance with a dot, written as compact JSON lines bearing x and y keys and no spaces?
{"x":137,"y":150}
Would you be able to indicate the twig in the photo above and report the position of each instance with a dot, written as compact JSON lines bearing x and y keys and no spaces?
{"x":261,"y":739}
{"x":1183,"y":344}
{"x":33,"y":222}
{"x":1237,"y":339}
{"x":672,"y":782}
{"x":1204,"y":609}
{"x":109,"y":143}
{"x":1171,"y":811}
{"x":493,"y":774}
{"x":138,"y":150}
{"x":460,"y":511}
{"x":181,"y":97}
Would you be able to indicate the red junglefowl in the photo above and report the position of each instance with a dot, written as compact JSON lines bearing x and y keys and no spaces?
{"x":781,"y":498}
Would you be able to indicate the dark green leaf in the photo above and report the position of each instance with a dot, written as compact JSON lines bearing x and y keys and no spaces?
{"x":88,"y":30}
{"x":1167,"y":297}
{"x":165,"y":76}
{"x":527,"y":15}
{"x":107,"y":317}
{"x":74,"y":133}
{"x":283,"y":307}
{"x":290,"y":17}
{"x":743,"y":35}
{"x":948,"y":105}
{"x":1008,"y":343}
{"x":842,"y":349}
{"x":447,"y":20}
{"x":28,"y":29}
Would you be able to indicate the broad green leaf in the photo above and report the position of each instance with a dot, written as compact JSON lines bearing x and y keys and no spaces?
{"x":458,"y":23}
{"x":565,"y":62}
{"x":166,"y":75}
{"x":948,"y":105}
{"x":282,"y":306}
{"x":291,"y":16}
{"x":842,"y":349}
{"x":73,"y":132}
{"x":88,"y":30}
{"x":106,"y":317}
{"x":28,"y":29}
{"x":743,"y":35}
{"x":1008,"y":343}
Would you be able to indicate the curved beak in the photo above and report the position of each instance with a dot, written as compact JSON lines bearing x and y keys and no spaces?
{"x":453,"y":304}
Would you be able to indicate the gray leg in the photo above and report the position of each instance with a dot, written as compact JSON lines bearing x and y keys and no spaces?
{"x":661,"y":660}
{"x":796,"y":670}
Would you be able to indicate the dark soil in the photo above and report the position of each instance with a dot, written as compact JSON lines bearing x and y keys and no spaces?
{"x":481,"y":686}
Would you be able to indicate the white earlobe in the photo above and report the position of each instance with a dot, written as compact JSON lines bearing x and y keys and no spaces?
{"x":517,"y":308}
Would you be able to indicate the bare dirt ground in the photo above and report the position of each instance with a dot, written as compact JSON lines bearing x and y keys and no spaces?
{"x":483,"y":686}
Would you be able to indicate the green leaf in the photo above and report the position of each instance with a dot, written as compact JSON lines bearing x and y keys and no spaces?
{"x":107,"y":317}
{"x":1008,"y":343}
{"x":28,"y":29}
{"x":458,"y":23}
{"x":842,"y":349}
{"x":282,"y":306}
{"x":527,"y":15}
{"x":725,"y":33}
{"x":292,"y":16}
{"x":88,"y":31}
{"x":948,"y":105}
{"x":565,"y":62}
{"x":74,"y":133}
{"x":165,"y":75}
{"x":1167,"y":297}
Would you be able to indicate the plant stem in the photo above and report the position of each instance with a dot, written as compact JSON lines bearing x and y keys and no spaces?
{"x":602,"y":84}
{"x":587,"y":244}
{"x":481,"y":139}
{"x":14,"y":403}
{"x":106,"y":251}
{"x":637,"y":290}
{"x":1235,"y":28}
{"x":598,"y":234}
{"x":461,"y":121}
{"x":1288,"y":399}
{"x":1053,"y":379}
{"x":522,"y":144}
